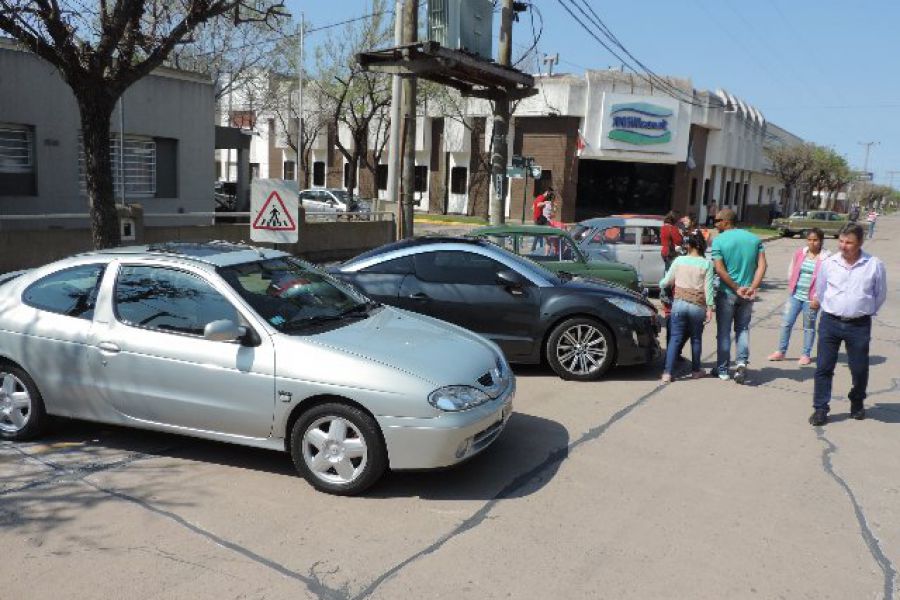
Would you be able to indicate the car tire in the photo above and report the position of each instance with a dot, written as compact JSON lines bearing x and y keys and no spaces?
{"x":344,"y":462}
{"x":580,"y":349}
{"x":786,"y":233}
{"x":22,"y":412}
{"x":803,"y":234}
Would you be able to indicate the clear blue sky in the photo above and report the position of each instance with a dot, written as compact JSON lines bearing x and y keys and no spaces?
{"x":825,"y":70}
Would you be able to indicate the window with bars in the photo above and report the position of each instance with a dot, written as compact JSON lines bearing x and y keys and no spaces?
{"x":16,"y":149}
{"x":289,"y":171}
{"x":138,"y":165}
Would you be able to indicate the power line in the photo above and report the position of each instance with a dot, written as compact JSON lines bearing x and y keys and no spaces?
{"x":646,"y":74}
{"x":286,"y":36}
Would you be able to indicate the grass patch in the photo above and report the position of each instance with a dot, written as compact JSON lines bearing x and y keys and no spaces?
{"x":450,"y":219}
{"x":762,"y":232}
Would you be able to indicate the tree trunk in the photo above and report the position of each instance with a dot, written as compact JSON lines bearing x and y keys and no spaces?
{"x":96,"y":110}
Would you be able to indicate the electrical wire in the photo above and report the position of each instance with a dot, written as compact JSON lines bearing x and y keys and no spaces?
{"x":655,"y":79}
{"x":647,"y":75}
{"x":532,"y":9}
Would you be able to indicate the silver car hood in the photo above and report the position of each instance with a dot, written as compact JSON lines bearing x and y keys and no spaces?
{"x":423,"y":347}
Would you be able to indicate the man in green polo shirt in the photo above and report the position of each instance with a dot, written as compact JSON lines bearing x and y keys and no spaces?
{"x":740,"y":263}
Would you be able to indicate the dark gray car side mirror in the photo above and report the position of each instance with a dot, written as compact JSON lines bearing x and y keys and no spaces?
{"x":510,"y":278}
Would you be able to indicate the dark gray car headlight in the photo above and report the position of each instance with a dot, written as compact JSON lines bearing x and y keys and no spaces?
{"x":454,"y":398}
{"x":631,"y":307}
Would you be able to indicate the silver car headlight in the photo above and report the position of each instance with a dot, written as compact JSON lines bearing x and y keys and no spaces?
{"x":454,"y":398}
{"x":631,"y":307}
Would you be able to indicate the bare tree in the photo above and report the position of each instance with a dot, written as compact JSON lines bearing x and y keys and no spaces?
{"x":231,"y":56}
{"x":355,"y":98}
{"x":100,"y":50}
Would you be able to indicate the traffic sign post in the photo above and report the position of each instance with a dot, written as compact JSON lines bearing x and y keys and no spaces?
{"x":274,"y":213}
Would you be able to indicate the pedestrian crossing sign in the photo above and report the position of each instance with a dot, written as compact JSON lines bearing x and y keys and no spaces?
{"x":273,"y":211}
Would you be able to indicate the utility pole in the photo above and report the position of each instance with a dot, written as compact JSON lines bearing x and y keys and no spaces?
{"x":410,"y":35}
{"x":500,"y":151}
{"x":868,"y":146}
{"x":301,"y":163}
{"x":394,"y":139}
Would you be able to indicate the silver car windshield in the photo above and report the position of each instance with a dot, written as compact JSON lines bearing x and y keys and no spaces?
{"x":292,"y":296}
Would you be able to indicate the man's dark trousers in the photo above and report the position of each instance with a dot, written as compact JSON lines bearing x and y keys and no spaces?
{"x":856,"y":335}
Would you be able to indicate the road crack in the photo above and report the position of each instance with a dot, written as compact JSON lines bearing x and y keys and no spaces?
{"x":884,"y":563}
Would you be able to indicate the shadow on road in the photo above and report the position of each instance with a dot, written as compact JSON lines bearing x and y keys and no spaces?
{"x":527,"y":444}
{"x":522,"y":461}
{"x":648,"y":372}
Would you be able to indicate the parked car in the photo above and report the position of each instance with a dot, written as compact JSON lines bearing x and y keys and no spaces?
{"x":332,"y":200}
{"x":631,"y":240}
{"x":580,"y":326}
{"x":800,"y":222}
{"x":251,"y":346}
{"x":555,"y":249}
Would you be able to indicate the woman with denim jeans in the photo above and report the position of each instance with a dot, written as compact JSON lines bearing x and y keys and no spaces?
{"x":692,"y":308}
{"x":802,"y":273}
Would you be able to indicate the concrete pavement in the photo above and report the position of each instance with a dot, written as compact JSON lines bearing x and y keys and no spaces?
{"x":617,"y":489}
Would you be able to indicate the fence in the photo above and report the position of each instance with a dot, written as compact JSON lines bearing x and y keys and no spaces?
{"x":320,"y":239}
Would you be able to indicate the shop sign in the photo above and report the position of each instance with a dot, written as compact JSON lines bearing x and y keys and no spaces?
{"x":640,"y":123}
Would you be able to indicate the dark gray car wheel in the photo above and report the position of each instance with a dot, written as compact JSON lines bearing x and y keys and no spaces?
{"x":22,"y":414}
{"x":338,"y":449}
{"x":580,"y":349}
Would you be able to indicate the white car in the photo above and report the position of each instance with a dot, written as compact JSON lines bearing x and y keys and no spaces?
{"x":332,"y":200}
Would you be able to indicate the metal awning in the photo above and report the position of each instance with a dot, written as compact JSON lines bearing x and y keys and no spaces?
{"x":470,"y":74}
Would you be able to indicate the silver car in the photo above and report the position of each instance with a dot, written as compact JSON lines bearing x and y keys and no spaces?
{"x":631,"y":240}
{"x":250,"y":346}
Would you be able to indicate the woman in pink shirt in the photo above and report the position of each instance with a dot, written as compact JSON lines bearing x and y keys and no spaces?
{"x":802,"y":273}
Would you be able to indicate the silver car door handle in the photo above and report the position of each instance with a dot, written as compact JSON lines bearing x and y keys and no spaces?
{"x":419,"y":296}
{"x":109,"y":347}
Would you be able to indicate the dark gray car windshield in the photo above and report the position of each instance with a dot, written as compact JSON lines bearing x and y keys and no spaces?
{"x":292,"y":296}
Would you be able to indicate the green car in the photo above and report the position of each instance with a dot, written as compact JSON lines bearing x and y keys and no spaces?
{"x":800,"y":222}
{"x":556,"y":250}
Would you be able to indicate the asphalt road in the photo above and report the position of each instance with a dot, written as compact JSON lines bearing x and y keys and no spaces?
{"x":616,"y":489}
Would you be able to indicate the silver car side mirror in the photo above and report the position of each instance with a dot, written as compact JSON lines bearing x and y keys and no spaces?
{"x":223,"y":330}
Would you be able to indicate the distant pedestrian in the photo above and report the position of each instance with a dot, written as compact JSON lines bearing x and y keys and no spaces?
{"x":711,"y":213}
{"x":854,"y":213}
{"x":871,"y":218}
{"x":851,"y":288}
{"x":670,"y":239}
{"x":538,"y":207}
{"x":692,"y":276}
{"x":542,"y":204}
{"x":740,"y":262}
{"x":802,"y":273}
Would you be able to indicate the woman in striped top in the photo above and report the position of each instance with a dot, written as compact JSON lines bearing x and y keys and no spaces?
{"x":801,"y":285}
{"x":692,"y":276}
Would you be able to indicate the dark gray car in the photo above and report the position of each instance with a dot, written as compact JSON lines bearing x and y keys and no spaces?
{"x":580,"y":326}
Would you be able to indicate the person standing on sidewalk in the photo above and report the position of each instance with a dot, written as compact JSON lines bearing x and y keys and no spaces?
{"x":802,"y":273}
{"x":850,"y":288}
{"x":692,"y":308}
{"x":740,"y":262}
{"x":871,"y":218}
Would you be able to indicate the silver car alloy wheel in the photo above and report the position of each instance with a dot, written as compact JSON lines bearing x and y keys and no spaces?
{"x":334,"y":450}
{"x":581,"y":349}
{"x":15,"y":403}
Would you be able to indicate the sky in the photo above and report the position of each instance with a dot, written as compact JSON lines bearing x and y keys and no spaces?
{"x":825,"y":70}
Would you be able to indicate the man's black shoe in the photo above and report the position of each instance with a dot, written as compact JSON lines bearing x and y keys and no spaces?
{"x":857,"y":411}
{"x":819,"y":417}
